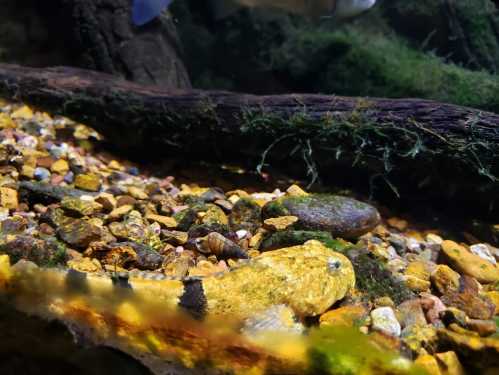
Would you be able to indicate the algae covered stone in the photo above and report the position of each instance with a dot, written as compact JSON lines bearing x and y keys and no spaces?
{"x":340,"y":216}
{"x":43,"y":252}
{"x":79,"y":233}
{"x":79,"y":206}
{"x":298,"y":237}
{"x":307,"y":278}
{"x":468,"y":263}
{"x":246,"y":214}
{"x":374,"y":280}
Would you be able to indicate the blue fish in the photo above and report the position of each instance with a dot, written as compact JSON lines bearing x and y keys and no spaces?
{"x":144,"y":11}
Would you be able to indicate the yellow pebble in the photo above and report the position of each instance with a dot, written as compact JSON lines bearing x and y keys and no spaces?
{"x":449,"y":363}
{"x":429,"y":364}
{"x":90,"y":182}
{"x":60,"y":166}
{"x":6,"y":122}
{"x":165,"y":221}
{"x":23,"y":112}
{"x":280,"y":223}
{"x":296,"y":191}
{"x":113,"y":164}
{"x":121,"y":211}
{"x":8,"y":198}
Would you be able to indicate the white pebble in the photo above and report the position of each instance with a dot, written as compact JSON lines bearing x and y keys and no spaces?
{"x":413,"y":245}
{"x":392,"y":253}
{"x":241,"y":234}
{"x":4,"y":213}
{"x":264,"y":196}
{"x":28,"y":141}
{"x":384,"y":320}
{"x":483,"y":251}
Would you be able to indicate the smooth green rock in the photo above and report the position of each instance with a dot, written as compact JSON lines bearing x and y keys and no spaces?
{"x":341,"y":216}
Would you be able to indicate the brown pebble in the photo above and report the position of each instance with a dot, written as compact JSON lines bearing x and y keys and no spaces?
{"x":125,"y":200}
{"x":44,"y":162}
{"x":482,"y":327}
{"x":23,"y":207}
{"x":46,"y":229}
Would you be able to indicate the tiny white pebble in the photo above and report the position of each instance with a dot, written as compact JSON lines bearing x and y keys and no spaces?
{"x":241,"y":233}
{"x":413,"y":245}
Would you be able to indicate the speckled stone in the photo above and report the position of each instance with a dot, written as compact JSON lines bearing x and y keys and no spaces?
{"x":341,"y":216}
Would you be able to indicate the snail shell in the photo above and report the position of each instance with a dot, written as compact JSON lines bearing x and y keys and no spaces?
{"x":222,"y":247}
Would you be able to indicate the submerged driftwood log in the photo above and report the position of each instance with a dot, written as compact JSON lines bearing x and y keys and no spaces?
{"x":405,"y":147}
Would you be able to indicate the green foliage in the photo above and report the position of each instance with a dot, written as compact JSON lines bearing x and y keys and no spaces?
{"x":464,"y":32}
{"x":59,"y":256}
{"x":262,"y":51}
{"x":299,"y":237}
{"x":346,"y":351}
{"x":350,"y":62}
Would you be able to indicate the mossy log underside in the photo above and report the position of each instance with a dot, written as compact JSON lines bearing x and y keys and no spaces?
{"x":406,"y":147}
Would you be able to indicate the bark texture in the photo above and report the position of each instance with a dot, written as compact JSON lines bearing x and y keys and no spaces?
{"x":406,"y":147}
{"x":92,"y":34}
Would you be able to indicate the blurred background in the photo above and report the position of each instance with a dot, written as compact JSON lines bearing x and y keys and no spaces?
{"x":446,"y":50}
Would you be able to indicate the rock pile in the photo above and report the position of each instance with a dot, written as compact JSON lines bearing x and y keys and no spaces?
{"x":63,"y":203}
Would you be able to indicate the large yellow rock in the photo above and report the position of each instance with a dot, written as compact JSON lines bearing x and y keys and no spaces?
{"x":470,"y":264}
{"x":308,"y":278}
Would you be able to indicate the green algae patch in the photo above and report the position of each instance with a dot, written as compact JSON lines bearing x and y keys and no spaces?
{"x":47,"y":252}
{"x":246,"y":214}
{"x":298,"y":237}
{"x":374,"y":280}
{"x":185,"y":219}
{"x":346,"y":351}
